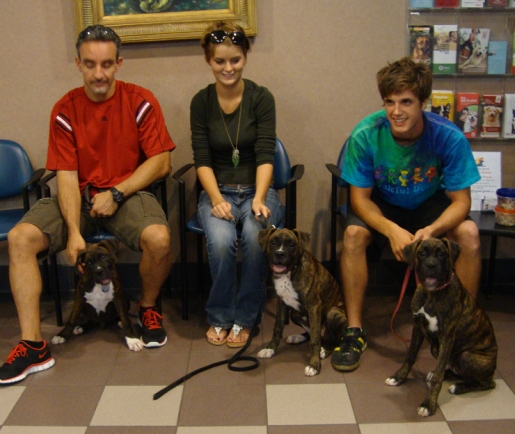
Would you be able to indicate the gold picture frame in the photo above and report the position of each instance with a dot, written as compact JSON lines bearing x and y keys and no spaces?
{"x":164,"y":26}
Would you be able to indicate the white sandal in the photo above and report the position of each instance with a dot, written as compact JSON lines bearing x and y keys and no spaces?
{"x":218,"y":342}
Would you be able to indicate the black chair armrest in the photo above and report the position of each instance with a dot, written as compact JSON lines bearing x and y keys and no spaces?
{"x":179,"y":174}
{"x":161,"y":184}
{"x":297,"y":172}
{"x":43,"y":183}
{"x":31,"y":184}
{"x":334,"y":170}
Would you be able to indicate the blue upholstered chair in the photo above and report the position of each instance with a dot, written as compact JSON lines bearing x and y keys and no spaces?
{"x":285,"y":177}
{"x":16,"y":179}
{"x":337,"y":209}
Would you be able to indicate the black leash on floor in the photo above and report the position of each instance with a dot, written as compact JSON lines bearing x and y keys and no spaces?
{"x":238,"y":356}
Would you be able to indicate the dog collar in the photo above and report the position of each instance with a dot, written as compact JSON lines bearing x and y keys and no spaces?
{"x":445,"y":285}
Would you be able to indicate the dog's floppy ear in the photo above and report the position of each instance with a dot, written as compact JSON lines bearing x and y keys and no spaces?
{"x":263,"y":236}
{"x":112,"y":246}
{"x":81,"y":257}
{"x":453,"y":248}
{"x":303,"y":237}
{"x":409,"y":253}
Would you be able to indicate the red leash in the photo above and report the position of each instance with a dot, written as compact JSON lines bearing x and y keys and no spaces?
{"x":403,"y":290}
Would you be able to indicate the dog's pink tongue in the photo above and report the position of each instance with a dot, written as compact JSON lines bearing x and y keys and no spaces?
{"x":278,"y":269}
{"x":105,"y":281}
{"x":431,"y":281}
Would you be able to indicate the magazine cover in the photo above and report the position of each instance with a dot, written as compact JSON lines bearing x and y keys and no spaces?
{"x":508,"y":125}
{"x":428,"y":106}
{"x":442,"y":103}
{"x":483,"y":192}
{"x":467,"y":113}
{"x":447,"y":3}
{"x":473,"y":50}
{"x":492,"y":115}
{"x":421,"y":4}
{"x":445,"y":45}
{"x":472,"y":3}
{"x":497,"y":51}
{"x":513,"y":59}
{"x":421,"y":43}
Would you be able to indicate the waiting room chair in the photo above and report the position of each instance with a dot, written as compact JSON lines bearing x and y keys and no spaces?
{"x":340,"y":210}
{"x":96,"y":237}
{"x":285,"y":177}
{"x":16,"y":178}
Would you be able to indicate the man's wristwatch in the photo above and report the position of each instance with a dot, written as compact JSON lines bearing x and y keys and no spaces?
{"x":117,"y":195}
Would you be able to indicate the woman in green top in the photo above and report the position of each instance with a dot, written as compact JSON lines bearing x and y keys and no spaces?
{"x":233,"y":139}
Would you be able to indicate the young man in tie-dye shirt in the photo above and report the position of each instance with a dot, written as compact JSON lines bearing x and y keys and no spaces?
{"x":410,"y":174}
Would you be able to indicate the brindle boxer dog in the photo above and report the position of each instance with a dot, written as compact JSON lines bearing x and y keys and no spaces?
{"x":459,"y":331}
{"x":308,"y":291}
{"x":99,"y":296}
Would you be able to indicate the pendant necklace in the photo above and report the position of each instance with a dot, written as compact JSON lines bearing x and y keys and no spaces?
{"x":235,"y":152}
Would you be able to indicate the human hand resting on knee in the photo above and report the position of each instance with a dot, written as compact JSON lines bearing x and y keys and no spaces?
{"x":103,"y":205}
{"x":222,"y":210}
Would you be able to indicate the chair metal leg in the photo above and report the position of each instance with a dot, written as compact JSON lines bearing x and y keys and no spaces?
{"x":57,"y":292}
{"x":491,"y":267}
{"x":200,"y":264}
{"x":45,"y":276}
{"x":184,"y":278}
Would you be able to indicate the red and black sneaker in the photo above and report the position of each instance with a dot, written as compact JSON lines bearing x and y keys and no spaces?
{"x":153,"y":334}
{"x":25,"y":360}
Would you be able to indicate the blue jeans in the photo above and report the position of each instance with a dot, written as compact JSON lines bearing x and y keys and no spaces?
{"x":227,"y":305}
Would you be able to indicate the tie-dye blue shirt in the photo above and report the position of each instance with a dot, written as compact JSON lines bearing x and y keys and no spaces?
{"x":407,"y":176}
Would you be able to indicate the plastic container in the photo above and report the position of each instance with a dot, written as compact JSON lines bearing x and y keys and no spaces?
{"x":505,"y":217}
{"x":506,"y":198}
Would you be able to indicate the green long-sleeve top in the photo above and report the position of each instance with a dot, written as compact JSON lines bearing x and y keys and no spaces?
{"x":256,"y":143}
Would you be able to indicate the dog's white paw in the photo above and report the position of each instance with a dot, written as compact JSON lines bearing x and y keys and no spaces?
{"x":58,"y":340}
{"x":134,"y":344}
{"x":423,"y":411}
{"x":429,"y":377}
{"x":452,"y":389}
{"x":391,"y":382}
{"x":266,"y":353}
{"x":309,"y":371}
{"x":296,"y":339}
{"x":78,"y":330}
{"x":323,"y":353}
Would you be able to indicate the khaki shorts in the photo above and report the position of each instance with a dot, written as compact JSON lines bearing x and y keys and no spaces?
{"x":131,"y":218}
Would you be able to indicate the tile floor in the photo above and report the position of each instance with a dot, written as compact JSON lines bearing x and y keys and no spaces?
{"x":98,"y":386}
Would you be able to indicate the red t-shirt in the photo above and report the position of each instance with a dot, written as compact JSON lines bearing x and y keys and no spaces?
{"x":106,"y":141}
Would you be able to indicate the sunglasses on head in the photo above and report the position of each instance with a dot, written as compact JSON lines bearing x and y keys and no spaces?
{"x":218,"y":36}
{"x":105,"y":31}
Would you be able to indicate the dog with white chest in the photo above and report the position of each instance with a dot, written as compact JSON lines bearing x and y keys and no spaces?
{"x":307,"y":292}
{"x":460,"y":333}
{"x":99,"y":296}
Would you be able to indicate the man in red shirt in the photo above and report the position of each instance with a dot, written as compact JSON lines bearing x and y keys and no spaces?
{"x":112,"y":135}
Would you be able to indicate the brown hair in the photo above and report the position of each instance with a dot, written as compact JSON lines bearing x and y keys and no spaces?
{"x":209,"y":47}
{"x":405,"y":74}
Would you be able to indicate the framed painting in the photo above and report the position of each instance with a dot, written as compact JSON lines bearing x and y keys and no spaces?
{"x":162,"y":20}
